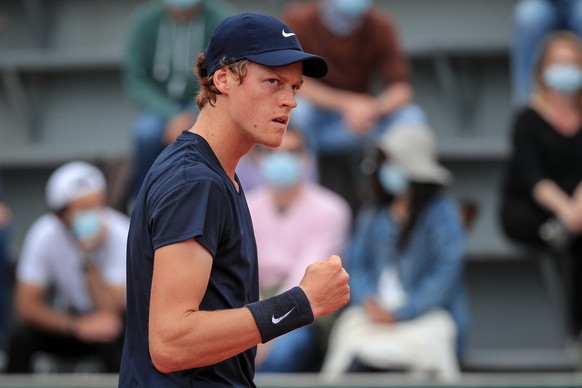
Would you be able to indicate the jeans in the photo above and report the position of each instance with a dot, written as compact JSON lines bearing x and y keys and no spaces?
{"x":296,"y":351}
{"x":148,"y":132}
{"x":533,"y":21}
{"x":326,"y":132}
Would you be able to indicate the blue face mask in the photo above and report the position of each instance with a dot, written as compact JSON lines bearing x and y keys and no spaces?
{"x":181,"y":4}
{"x":281,"y":169}
{"x":392,"y":179}
{"x":342,"y":17}
{"x":563,"y":78}
{"x":353,"y":7}
{"x":86,"y":225}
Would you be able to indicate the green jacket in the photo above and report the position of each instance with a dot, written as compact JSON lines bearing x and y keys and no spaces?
{"x":152,"y":92}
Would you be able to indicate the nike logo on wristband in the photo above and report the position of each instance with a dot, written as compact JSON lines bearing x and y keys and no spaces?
{"x":277,"y":320}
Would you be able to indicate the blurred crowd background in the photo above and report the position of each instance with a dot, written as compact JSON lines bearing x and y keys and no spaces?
{"x":441,"y":158}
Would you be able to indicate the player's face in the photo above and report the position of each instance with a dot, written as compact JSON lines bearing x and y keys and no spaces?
{"x":262,"y":104}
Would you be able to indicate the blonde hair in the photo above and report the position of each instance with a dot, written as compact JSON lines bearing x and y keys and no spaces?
{"x":208,"y":91}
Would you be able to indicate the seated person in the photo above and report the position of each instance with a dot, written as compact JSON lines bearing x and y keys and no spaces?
{"x":533,"y":21}
{"x":367,"y":88}
{"x":164,"y":39}
{"x":295,"y":220}
{"x":76,"y":252}
{"x":408,"y":308}
{"x":542,"y":193}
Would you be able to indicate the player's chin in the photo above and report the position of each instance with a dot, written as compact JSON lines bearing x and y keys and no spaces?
{"x":271,"y":143}
{"x":274,"y":139}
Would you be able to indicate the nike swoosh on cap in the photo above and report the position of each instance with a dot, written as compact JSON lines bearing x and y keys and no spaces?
{"x":277,"y":320}
{"x":287,"y":34}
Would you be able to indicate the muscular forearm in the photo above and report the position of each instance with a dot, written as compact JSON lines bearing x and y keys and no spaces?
{"x":200,"y":338}
{"x":181,"y":336}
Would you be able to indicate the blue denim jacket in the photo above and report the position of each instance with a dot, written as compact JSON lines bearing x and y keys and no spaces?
{"x":430,"y":267}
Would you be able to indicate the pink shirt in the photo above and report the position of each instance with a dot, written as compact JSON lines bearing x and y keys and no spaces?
{"x":314,"y":227}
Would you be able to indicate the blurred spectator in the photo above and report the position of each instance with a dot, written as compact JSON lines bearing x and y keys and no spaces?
{"x":342,"y":113}
{"x":76,"y":256}
{"x":533,"y":21}
{"x":249,"y":169}
{"x":408,"y":308}
{"x":542,"y":193}
{"x":4,"y":265}
{"x":164,"y":41}
{"x":295,"y":222}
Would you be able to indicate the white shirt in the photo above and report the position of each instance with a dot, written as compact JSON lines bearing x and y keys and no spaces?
{"x":391,"y":294}
{"x":51,"y":258}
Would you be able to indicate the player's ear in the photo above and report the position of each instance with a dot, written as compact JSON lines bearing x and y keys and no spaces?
{"x":221,"y":80}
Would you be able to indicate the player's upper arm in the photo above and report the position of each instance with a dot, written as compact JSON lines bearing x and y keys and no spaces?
{"x":179,"y":282}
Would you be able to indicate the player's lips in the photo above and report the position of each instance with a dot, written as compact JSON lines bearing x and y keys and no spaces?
{"x":281,"y":120}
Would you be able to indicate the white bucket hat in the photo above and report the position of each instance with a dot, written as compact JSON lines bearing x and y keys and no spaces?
{"x":72,"y":181}
{"x":412,"y":148}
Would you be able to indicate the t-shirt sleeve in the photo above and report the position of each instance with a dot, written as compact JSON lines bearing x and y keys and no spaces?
{"x":192,"y":210}
{"x":32,"y":265}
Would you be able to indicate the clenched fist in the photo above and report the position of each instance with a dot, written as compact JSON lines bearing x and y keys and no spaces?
{"x":325,"y":284}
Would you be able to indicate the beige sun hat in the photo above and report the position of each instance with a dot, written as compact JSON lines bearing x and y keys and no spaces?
{"x":72,"y":181}
{"x":412,"y":148}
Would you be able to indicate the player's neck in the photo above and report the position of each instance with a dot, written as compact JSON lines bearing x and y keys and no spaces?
{"x":223,"y":139}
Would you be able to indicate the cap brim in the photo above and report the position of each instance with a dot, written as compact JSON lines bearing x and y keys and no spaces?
{"x":313,"y":65}
{"x":429,"y":173}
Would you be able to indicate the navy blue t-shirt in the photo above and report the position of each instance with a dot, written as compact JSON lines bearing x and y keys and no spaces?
{"x":186,"y":195}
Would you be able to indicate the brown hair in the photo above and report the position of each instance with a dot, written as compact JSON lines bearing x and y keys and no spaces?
{"x":561,"y":36}
{"x":208,"y":92}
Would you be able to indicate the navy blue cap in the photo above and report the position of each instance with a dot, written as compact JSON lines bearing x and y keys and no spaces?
{"x":262,"y":39}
